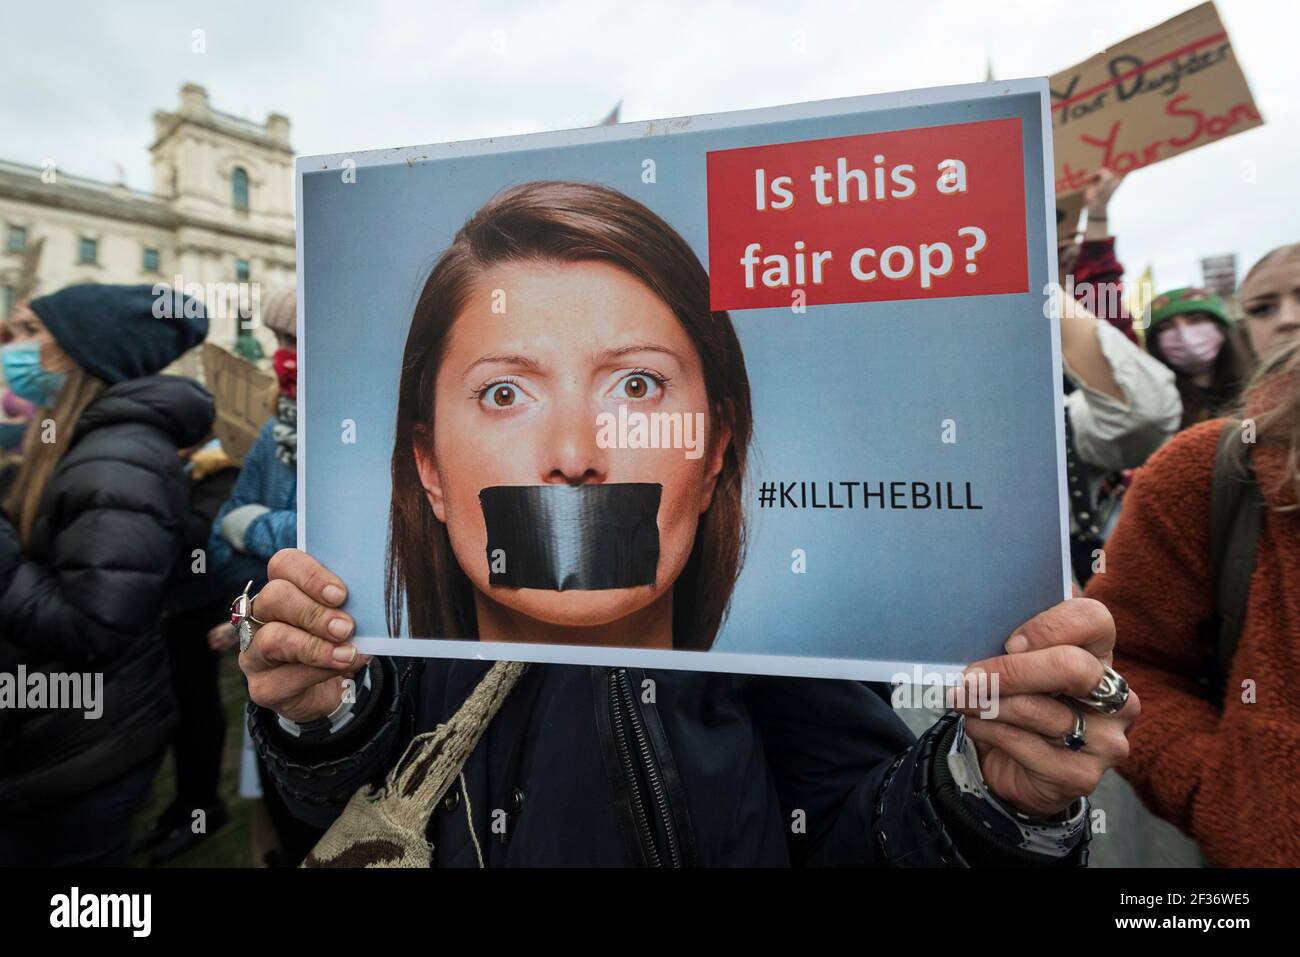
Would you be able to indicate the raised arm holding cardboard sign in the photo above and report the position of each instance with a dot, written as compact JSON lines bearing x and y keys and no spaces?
{"x":1168,"y":90}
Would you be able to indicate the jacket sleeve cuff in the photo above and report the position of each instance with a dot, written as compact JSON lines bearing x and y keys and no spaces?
{"x":235,"y":526}
{"x":906,"y":827}
{"x":987,"y":832}
{"x":317,"y":777}
{"x":918,"y":819}
{"x":1055,"y":837}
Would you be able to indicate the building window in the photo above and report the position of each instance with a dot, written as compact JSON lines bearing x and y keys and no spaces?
{"x":17,"y":241}
{"x":150,"y":262}
{"x":8,"y":302}
{"x":89,"y":250}
{"x":241,"y":270}
{"x":239,"y":187}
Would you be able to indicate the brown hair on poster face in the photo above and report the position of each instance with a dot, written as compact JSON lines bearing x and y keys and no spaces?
{"x":562,"y":222}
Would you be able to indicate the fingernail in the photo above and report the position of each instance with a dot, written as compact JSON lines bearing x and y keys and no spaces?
{"x":339,"y":627}
{"x":1016,"y":644}
{"x":345,"y":654}
{"x":332,"y":594}
{"x":973,"y":671}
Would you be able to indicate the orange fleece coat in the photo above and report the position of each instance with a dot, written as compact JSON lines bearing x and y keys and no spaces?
{"x":1230,"y":778}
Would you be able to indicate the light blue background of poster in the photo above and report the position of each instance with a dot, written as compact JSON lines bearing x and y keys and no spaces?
{"x":843,"y":392}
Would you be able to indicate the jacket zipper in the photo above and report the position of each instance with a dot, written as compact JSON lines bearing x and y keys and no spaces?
{"x":629,"y":772}
{"x":626,"y":718}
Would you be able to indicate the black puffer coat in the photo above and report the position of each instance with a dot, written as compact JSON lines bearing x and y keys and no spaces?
{"x":88,"y":594}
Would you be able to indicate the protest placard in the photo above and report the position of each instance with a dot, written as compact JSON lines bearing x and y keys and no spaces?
{"x":1219,"y":274}
{"x":1162,"y":92}
{"x":770,"y":392}
{"x":242,"y":393}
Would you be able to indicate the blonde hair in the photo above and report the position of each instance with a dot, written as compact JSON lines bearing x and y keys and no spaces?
{"x":1272,"y":400}
{"x":40,"y":458}
{"x":1290,"y":251}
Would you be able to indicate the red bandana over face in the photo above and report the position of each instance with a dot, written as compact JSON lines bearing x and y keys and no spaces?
{"x":286,"y":371}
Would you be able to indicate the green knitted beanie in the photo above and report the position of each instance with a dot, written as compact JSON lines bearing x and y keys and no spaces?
{"x":1179,"y":302}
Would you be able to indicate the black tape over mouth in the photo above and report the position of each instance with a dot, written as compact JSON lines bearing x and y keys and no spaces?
{"x":572,"y":537}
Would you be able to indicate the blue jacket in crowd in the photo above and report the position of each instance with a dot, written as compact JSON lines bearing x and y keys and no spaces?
{"x":272,"y":484}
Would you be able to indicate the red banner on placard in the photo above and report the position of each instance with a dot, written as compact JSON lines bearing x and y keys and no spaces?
{"x":912,"y":214}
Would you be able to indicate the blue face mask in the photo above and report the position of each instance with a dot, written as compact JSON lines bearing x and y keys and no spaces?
{"x":26,"y":377}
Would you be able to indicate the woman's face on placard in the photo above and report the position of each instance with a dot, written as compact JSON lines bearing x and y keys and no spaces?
{"x":540,"y":350}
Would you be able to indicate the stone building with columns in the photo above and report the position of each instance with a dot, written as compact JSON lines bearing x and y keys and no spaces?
{"x":220,"y":212}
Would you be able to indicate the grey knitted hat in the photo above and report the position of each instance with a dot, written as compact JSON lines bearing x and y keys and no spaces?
{"x":280,"y":311}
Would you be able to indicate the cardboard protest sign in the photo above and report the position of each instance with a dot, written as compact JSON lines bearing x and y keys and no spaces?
{"x":1170,"y":89}
{"x":242,"y":393}
{"x":766,"y":392}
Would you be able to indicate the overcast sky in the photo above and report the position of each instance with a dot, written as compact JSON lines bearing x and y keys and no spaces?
{"x":79,"y":82}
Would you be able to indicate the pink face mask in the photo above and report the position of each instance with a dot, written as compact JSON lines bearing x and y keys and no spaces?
{"x":1192,"y":349}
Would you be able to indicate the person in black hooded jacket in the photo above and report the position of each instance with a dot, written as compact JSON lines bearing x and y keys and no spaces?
{"x":90,"y":537}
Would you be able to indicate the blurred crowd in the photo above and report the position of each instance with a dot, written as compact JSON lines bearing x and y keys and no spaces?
{"x":126,"y":529}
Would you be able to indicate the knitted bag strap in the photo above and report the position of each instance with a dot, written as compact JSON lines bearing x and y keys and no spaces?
{"x":385,"y":826}
{"x":433,"y":760}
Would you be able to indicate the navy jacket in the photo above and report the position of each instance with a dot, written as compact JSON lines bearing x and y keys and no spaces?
{"x":613,"y":767}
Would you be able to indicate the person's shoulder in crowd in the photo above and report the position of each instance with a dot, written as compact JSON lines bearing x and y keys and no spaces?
{"x":1176,"y":483}
{"x":1187,"y":460}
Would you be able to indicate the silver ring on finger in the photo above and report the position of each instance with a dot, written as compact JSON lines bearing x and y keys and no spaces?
{"x":1076,"y":739}
{"x":242,"y":617}
{"x":1111,"y":693}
